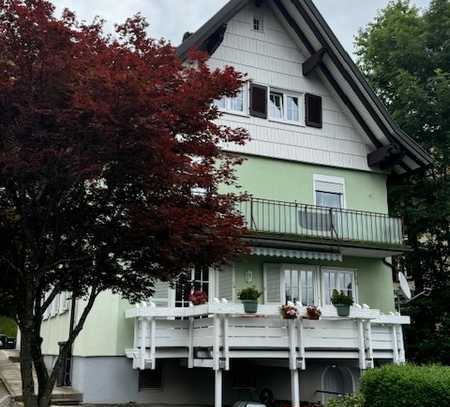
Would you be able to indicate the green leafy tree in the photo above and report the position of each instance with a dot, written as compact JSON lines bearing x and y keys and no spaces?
{"x":405,"y":54}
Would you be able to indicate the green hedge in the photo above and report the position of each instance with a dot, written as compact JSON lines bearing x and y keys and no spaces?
{"x":356,"y":400}
{"x":407,"y":386}
{"x":8,"y":327}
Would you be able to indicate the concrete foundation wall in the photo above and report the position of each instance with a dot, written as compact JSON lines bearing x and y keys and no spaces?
{"x":111,"y":380}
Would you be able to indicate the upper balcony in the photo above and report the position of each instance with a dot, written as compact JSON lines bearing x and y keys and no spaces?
{"x":311,"y":224}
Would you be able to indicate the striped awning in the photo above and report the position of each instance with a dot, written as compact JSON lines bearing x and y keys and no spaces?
{"x":295,"y":254}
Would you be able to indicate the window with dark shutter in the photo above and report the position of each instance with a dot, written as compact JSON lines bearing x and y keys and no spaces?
{"x":313,"y":112}
{"x":258,"y":101}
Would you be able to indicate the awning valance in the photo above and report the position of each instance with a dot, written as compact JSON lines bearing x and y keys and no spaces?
{"x":296,"y":254}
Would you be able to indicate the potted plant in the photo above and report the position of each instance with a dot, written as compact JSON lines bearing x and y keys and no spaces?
{"x":198,"y":297}
{"x":313,"y":313}
{"x":342,"y":302}
{"x":289,"y":311}
{"x":249,"y":297}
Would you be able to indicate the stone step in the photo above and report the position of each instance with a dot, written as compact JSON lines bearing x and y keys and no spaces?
{"x":11,"y":377}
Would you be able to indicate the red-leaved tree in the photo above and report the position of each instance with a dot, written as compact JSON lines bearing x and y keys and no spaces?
{"x":105,"y":143}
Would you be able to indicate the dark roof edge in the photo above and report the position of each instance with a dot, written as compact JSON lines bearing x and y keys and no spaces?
{"x":211,"y":26}
{"x":401,"y":137}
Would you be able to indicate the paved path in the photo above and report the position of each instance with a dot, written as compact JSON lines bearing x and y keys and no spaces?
{"x":10,"y":375}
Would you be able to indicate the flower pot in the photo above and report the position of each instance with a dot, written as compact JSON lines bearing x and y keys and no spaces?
{"x":343,"y":310}
{"x":250,"y":306}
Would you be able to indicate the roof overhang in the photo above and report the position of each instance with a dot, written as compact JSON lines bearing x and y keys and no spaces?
{"x":329,"y":60}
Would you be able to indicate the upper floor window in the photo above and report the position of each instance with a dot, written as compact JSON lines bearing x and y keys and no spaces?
{"x":284,"y":106}
{"x":329,"y":191}
{"x":258,"y":23}
{"x":236,"y":104}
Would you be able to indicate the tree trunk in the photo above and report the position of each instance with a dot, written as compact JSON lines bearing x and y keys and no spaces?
{"x":39,"y":365}
{"x":26,"y":365}
{"x":45,"y":393}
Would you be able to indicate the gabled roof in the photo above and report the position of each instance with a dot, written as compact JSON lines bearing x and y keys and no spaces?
{"x":336,"y":67}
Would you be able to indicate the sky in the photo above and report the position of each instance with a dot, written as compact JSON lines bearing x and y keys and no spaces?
{"x":170,"y":19}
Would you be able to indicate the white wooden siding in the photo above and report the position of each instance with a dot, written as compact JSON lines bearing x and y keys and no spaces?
{"x":273,"y":58}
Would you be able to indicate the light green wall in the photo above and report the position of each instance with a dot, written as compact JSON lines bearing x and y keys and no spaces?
{"x":374,"y":278}
{"x":105,"y":332}
{"x":292,"y":181}
{"x":108,"y":333}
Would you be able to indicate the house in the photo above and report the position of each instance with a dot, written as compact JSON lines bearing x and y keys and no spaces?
{"x":322,"y":148}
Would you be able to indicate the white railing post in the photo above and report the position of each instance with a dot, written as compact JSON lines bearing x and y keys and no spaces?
{"x":369,"y":345}
{"x":362,"y":345}
{"x":292,"y":344}
{"x":301,"y":344}
{"x":191,"y":344}
{"x":226,"y":346}
{"x":153,"y":343}
{"x":401,"y":344}
{"x":395,"y":344}
{"x":143,"y":350}
{"x":216,"y":345}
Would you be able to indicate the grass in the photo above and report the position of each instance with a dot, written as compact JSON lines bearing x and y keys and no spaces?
{"x":8,"y":327}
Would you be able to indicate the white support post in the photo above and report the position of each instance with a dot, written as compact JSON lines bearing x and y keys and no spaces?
{"x":143,"y":342}
{"x":226,"y":346}
{"x":292,"y":345}
{"x":369,"y":344}
{"x":401,"y":344}
{"x":218,"y":388}
{"x":301,"y":344}
{"x":136,"y":333}
{"x":153,"y":343}
{"x":362,"y":346}
{"x":191,"y":344}
{"x":395,"y":345}
{"x":295,"y":388}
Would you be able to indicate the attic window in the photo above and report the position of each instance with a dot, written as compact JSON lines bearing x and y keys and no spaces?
{"x":258,"y":23}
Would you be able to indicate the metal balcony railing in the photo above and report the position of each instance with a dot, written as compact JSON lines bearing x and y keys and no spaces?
{"x":315,"y":222}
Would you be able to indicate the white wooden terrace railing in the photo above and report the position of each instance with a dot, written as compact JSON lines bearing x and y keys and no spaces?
{"x":209,"y":335}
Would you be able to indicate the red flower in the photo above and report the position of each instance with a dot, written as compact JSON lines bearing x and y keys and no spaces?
{"x":198,"y":297}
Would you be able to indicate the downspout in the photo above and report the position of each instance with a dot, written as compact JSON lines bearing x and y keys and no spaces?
{"x":68,"y":362}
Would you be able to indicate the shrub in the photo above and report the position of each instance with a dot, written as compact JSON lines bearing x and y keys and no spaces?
{"x":249,"y":293}
{"x":408,"y":386}
{"x":356,"y":400}
{"x":339,"y":297}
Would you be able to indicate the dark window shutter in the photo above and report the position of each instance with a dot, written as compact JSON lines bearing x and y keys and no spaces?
{"x":313,"y":114}
{"x":258,"y":101}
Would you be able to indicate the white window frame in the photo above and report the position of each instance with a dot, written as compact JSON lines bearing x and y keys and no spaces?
{"x":302,"y":267}
{"x":260,"y":19}
{"x":211,"y":288}
{"x":331,"y":180}
{"x":286,"y":94}
{"x":355,"y":286}
{"x":245,"y":105}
